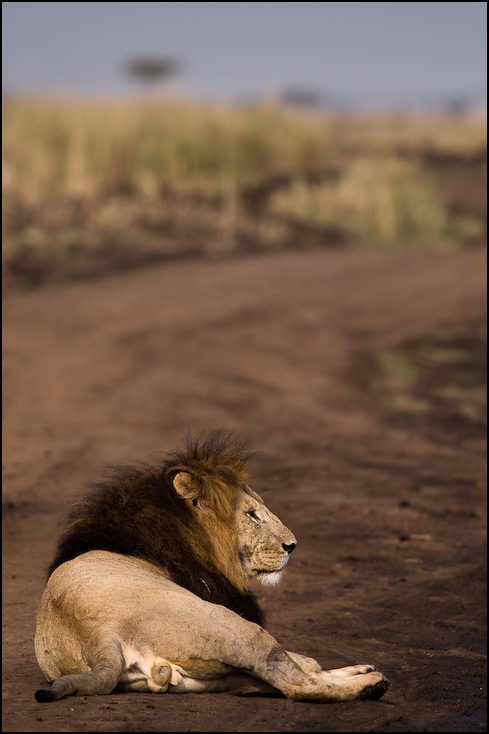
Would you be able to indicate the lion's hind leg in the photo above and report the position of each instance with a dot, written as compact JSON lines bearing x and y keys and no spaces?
{"x":283,"y":672}
{"x":350,"y":670}
{"x":308,"y":665}
{"x":238,"y":684}
{"x":354,"y":681}
{"x":147,"y":673}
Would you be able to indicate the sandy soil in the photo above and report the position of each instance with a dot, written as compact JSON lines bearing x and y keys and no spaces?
{"x":390,"y":520}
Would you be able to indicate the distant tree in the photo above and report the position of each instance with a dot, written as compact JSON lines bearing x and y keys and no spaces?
{"x":152,"y":69}
{"x":457,"y":105}
{"x":303,"y":97}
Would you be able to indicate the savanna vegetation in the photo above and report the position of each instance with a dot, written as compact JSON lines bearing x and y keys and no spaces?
{"x":92,"y":186}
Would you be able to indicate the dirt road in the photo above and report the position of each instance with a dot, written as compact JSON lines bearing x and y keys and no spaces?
{"x":390,"y":518}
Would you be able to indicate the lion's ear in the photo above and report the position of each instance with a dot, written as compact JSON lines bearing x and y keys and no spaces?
{"x":184,"y":486}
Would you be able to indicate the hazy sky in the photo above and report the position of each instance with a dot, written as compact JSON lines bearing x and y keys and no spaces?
{"x":365,"y":52}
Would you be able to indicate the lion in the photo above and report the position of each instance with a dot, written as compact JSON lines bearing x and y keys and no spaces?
{"x":149,"y":589}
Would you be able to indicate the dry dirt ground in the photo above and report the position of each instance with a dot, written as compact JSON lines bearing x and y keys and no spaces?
{"x":389,"y":516}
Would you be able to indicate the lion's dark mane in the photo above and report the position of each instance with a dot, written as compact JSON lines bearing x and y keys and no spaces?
{"x":136,"y":511}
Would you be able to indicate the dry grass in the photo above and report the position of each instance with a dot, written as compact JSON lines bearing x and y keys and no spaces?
{"x":93,"y":185}
{"x":386,"y":201}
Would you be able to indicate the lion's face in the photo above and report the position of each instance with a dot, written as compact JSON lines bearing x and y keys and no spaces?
{"x":264,"y":543}
{"x":248,"y":540}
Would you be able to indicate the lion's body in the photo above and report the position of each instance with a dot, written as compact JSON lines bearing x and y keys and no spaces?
{"x":137,"y":512}
{"x":116,"y":613}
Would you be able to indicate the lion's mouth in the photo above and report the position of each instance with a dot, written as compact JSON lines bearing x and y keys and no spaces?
{"x":267,"y":576}
{"x":278,"y":569}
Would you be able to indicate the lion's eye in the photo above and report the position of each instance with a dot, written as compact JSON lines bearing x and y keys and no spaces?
{"x":253,"y":514}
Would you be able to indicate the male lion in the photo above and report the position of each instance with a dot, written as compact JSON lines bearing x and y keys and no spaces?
{"x":149,"y":588}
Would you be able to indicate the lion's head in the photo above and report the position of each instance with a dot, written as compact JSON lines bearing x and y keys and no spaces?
{"x":194,"y":516}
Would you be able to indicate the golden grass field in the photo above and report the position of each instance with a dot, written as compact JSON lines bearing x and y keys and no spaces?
{"x":354,"y":357}
{"x":90,"y":186}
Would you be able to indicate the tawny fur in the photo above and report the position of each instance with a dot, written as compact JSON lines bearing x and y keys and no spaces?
{"x":136,"y":512}
{"x":149,"y":588}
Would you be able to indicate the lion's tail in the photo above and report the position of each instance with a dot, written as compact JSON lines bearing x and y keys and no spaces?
{"x":102,"y":678}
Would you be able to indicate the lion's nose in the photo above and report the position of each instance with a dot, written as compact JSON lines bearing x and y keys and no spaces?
{"x":289,"y":547}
